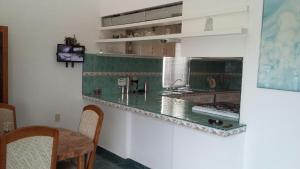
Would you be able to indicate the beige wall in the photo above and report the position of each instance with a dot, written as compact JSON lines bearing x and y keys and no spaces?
{"x":39,"y":87}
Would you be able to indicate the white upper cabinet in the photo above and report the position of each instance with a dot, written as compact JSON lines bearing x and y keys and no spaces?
{"x":201,"y":17}
{"x":198,"y":8}
{"x":110,"y":7}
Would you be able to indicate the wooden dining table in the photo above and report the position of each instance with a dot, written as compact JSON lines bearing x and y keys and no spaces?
{"x":73,"y":145}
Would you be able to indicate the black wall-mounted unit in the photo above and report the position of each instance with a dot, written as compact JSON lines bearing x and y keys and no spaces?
{"x":69,"y":53}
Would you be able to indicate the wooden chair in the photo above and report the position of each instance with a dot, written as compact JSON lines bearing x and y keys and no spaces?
{"x":7,"y":114}
{"x":90,"y":126}
{"x":29,"y":148}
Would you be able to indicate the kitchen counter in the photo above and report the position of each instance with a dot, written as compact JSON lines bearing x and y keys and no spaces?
{"x":172,"y":110}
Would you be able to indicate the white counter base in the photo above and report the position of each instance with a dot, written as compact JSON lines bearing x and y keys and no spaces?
{"x":160,"y":145}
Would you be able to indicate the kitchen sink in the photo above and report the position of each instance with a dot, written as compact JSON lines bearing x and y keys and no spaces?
{"x":195,"y":97}
{"x":178,"y":93}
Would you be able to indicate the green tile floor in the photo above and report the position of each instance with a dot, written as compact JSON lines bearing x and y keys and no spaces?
{"x":107,"y":160}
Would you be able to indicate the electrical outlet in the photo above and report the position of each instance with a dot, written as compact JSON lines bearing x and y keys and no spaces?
{"x":57,"y":117}
{"x":122,"y":82}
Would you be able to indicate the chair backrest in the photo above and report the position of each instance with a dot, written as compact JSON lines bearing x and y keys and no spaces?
{"x":90,"y":126}
{"x":7,"y":114}
{"x":29,"y":148}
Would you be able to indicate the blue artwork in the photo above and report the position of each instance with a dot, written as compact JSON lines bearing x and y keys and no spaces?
{"x":279,"y":66}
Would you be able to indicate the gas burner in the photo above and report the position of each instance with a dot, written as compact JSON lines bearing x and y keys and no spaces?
{"x":230,"y":107}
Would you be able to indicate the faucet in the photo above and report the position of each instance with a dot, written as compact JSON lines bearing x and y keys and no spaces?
{"x":172,"y":85}
{"x":127,"y":85}
{"x":129,"y":82}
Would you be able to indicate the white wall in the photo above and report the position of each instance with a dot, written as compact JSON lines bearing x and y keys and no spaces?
{"x":214,"y":46}
{"x":39,"y":87}
{"x":116,"y":131}
{"x":152,"y":142}
{"x":272,"y":137}
{"x":272,"y":116}
{"x":198,"y":150}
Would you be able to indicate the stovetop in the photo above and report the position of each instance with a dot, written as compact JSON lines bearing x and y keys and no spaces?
{"x":223,"y":106}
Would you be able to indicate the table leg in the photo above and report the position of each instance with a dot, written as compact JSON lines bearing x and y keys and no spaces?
{"x":80,"y":162}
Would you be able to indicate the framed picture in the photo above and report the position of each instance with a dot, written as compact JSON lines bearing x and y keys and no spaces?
{"x":279,"y":63}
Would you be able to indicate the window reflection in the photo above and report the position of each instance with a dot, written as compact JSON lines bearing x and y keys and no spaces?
{"x":175,"y":70}
{"x":173,"y":107}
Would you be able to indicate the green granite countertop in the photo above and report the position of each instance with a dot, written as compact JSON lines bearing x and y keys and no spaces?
{"x":170,"y":107}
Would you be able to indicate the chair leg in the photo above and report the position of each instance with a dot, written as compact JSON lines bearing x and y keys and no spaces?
{"x":80,"y":162}
{"x":91,"y":160}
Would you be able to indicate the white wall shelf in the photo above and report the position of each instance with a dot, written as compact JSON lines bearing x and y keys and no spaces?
{"x":236,"y":31}
{"x":147,"y":24}
{"x":145,"y":38}
{"x":225,"y":32}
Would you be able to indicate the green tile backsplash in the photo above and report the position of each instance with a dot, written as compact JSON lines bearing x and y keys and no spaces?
{"x":228,"y":74}
{"x":94,"y":63}
{"x":201,"y":66}
{"x":233,"y":67}
{"x":103,"y":72}
{"x":88,"y":65}
{"x":108,"y":69}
